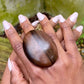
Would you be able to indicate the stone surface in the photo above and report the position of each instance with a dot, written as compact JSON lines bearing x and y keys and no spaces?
{"x":40,"y":48}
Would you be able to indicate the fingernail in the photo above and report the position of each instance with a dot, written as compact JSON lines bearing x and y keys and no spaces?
{"x":40,"y":16}
{"x":21,"y":18}
{"x":35,"y":23}
{"x":79,"y":28}
{"x":55,"y":19}
{"x":61,"y":18}
{"x":74,"y":16}
{"x":9,"y":64}
{"x":6,"y":25}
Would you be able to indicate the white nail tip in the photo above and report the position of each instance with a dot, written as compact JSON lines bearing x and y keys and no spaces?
{"x":74,"y":16}
{"x":79,"y":28}
{"x":35,"y":23}
{"x":55,"y":19}
{"x":9,"y":65}
{"x":22,"y":18}
{"x":6,"y":25}
{"x":40,"y":16}
{"x":61,"y":18}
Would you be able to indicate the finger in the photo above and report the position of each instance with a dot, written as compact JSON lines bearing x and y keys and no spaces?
{"x":68,"y":36}
{"x":46,"y":26}
{"x":76,"y":32}
{"x":71,"y":21}
{"x":50,"y":31}
{"x":16,"y":74}
{"x":15,"y":58}
{"x":35,"y":23}
{"x":25,"y":23}
{"x":22,"y":68}
{"x":16,"y":43}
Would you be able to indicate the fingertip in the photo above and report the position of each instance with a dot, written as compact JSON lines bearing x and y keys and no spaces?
{"x":21,"y":18}
{"x":61,"y":18}
{"x":40,"y":16}
{"x":74,"y":17}
{"x":6,"y":25}
{"x":79,"y":28}
{"x":55,"y":19}
{"x":35,"y":23}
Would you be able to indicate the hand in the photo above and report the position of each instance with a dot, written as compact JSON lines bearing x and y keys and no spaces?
{"x":45,"y":29}
{"x":53,"y":22}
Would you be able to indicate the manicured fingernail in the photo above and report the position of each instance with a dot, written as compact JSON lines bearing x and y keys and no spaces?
{"x":9,"y":64}
{"x":74,"y":16}
{"x":6,"y":25}
{"x":55,"y":19}
{"x":61,"y":18}
{"x":35,"y":23}
{"x":21,"y":18}
{"x":40,"y":16}
{"x":79,"y":28}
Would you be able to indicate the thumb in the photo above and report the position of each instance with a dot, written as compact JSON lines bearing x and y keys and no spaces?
{"x":16,"y":76}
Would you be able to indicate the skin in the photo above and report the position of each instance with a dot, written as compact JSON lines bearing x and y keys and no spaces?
{"x":66,"y":65}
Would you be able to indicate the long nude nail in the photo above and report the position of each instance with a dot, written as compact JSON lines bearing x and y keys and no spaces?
{"x":35,"y":23}
{"x":9,"y":64}
{"x":61,"y":18}
{"x":79,"y":28}
{"x":40,"y":16}
{"x":55,"y":19}
{"x":74,"y":16}
{"x":21,"y":18}
{"x":6,"y":25}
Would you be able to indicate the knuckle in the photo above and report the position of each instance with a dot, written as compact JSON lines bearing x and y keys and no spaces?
{"x":37,"y":72}
{"x":64,"y":25}
{"x":20,"y":75}
{"x":10,"y":33}
{"x":72,"y":40}
{"x":77,"y":64}
{"x":17,"y":46}
{"x":26,"y":25}
{"x":67,"y":64}
{"x":45,"y":23}
{"x":66,"y":61}
{"x":64,"y":64}
{"x":53,"y":36}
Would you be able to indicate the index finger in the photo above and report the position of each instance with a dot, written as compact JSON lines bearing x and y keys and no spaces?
{"x":16,"y":43}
